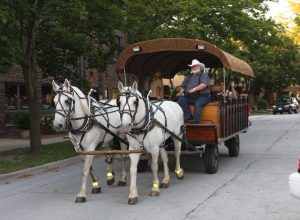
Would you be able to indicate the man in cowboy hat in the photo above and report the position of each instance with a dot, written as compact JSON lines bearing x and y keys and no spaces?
{"x":195,"y":90}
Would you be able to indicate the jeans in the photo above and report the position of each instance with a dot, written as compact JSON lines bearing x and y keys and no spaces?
{"x":199,"y":101}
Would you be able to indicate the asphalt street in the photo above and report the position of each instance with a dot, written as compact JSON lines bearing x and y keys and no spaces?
{"x":251,"y":186}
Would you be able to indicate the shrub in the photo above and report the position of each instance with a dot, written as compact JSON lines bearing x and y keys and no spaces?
{"x":21,"y":120}
{"x":46,"y":124}
{"x":262,"y":104}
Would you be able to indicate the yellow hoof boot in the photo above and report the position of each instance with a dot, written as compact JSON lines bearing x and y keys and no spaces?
{"x":179,"y":173}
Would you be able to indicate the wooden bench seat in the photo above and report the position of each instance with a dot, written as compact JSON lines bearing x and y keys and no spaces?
{"x":210,"y":115}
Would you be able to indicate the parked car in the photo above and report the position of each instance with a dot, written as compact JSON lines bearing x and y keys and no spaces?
{"x":287,"y":104}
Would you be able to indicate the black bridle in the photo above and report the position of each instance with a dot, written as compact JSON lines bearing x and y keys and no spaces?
{"x":147,"y":125}
{"x":67,"y":113}
{"x":129,"y":111}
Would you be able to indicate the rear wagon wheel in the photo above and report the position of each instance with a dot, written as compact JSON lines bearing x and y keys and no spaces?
{"x":211,"y":158}
{"x":233,"y":145}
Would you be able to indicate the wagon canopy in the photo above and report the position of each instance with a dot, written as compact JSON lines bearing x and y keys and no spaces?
{"x":171,"y":55}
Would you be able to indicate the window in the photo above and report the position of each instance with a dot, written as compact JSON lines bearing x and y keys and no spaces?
{"x":47,"y":96}
{"x":16,"y":98}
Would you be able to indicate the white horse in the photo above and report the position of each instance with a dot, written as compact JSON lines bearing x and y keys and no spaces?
{"x":138,"y":117}
{"x":72,"y":107}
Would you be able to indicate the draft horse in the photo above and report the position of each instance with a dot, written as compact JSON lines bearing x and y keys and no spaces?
{"x":140,"y":120}
{"x":87,"y":131}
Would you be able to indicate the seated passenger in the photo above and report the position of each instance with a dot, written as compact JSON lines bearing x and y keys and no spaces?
{"x":157,"y":87}
{"x":230,"y":92}
{"x":195,"y":90}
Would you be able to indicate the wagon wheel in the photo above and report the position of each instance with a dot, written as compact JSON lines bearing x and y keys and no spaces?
{"x":233,"y":145}
{"x":142,"y":166}
{"x":211,"y":158}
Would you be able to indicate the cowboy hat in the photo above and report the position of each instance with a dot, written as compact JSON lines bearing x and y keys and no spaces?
{"x":196,"y":62}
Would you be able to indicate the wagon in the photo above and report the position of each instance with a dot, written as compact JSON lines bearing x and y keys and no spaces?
{"x":223,"y":119}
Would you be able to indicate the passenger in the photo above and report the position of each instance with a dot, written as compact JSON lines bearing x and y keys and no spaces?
{"x":230,"y":92}
{"x":157,"y":87}
{"x":195,"y":90}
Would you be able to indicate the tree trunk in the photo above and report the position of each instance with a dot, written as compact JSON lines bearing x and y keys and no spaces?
{"x":29,"y":67}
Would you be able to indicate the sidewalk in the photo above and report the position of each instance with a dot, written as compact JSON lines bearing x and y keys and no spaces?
{"x":10,"y":144}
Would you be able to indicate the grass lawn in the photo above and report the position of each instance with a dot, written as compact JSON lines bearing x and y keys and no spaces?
{"x":21,"y":158}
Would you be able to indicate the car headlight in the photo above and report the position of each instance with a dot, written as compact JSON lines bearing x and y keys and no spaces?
{"x":286,"y":106}
{"x":274,"y":106}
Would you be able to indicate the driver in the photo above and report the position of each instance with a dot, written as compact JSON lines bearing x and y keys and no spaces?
{"x":194,"y":90}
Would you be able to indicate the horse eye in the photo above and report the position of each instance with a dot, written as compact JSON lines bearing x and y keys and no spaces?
{"x":68,"y":102}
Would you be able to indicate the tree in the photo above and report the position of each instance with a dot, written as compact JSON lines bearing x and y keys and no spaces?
{"x":239,"y":27}
{"x":51,"y":35}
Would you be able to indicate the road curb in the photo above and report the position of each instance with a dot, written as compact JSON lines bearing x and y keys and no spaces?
{"x":40,"y":169}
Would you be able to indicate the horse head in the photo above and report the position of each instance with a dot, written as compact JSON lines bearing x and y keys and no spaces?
{"x":64,"y":104}
{"x":128,"y":103}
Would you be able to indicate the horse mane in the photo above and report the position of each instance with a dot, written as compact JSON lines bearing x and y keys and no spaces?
{"x":82,"y":102}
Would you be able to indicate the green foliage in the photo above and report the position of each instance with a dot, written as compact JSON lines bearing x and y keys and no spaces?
{"x":46,"y":123}
{"x":21,"y":120}
{"x":262,"y":104}
{"x":65,"y":30}
{"x":239,"y":27}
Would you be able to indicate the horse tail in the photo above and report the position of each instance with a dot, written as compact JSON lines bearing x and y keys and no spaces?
{"x":85,"y":108}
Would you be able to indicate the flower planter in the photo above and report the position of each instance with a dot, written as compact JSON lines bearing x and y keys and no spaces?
{"x":24,"y":133}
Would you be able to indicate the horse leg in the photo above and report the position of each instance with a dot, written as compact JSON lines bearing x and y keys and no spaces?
{"x":86,"y":171}
{"x":166,"y":180}
{"x":154,"y":166}
{"x":178,"y":170}
{"x":122,"y":181}
{"x":110,"y":175}
{"x":133,"y":194}
{"x":96,"y":188}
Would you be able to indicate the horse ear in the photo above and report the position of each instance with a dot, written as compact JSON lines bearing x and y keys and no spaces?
{"x":134,"y":87}
{"x":120,"y":86}
{"x":67,"y":84}
{"x":55,"y":86}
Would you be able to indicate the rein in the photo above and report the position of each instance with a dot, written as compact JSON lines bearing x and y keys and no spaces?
{"x":89,"y":121}
{"x":149,"y":121}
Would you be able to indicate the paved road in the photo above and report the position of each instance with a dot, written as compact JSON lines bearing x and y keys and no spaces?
{"x":252,"y":186}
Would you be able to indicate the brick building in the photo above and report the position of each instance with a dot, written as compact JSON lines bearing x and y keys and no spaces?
{"x":13,"y":94}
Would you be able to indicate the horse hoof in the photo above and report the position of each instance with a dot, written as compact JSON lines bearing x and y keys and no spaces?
{"x":132,"y":201}
{"x":164,"y":185}
{"x":180,"y":177}
{"x":111,"y":181}
{"x":96,"y":190}
{"x":121,"y":183}
{"x":80,"y":199}
{"x":154,"y":193}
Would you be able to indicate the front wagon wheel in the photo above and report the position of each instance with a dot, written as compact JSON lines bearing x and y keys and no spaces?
{"x":211,"y":158}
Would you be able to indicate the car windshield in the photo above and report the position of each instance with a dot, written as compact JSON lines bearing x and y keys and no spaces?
{"x":283,"y":102}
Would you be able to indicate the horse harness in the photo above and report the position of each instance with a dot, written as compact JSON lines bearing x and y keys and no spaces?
{"x":149,"y":122}
{"x":89,"y":121}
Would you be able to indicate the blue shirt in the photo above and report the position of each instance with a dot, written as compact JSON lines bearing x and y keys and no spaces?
{"x":194,"y":79}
